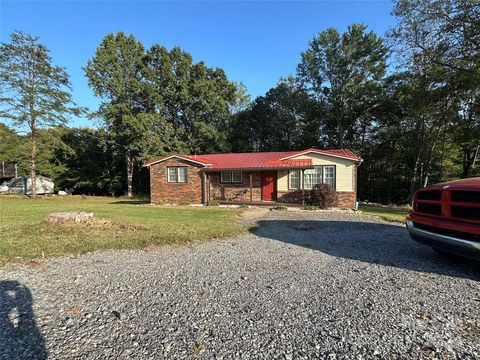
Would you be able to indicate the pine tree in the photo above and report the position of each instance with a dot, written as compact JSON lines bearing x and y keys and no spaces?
{"x":33,"y":92}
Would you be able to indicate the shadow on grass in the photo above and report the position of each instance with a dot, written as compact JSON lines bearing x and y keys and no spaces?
{"x":19,"y":334}
{"x":131,"y":202}
{"x":376,"y":243}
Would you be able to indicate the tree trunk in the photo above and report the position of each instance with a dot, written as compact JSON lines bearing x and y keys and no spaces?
{"x":413,"y":179}
{"x":442,"y":153}
{"x":33,"y":163}
{"x":129,"y":176}
{"x":340,"y":132}
{"x":429,"y":162}
{"x":475,"y":159}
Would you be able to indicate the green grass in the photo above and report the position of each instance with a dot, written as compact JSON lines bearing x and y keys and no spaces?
{"x":388,"y":213}
{"x":25,"y":235}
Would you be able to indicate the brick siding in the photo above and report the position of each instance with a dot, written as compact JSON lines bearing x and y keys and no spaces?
{"x":345,"y":199}
{"x":163,"y":191}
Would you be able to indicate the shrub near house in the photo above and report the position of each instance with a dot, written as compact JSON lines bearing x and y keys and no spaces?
{"x":323,"y":196}
{"x":260,"y":177}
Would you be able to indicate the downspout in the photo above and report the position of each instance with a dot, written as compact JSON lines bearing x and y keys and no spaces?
{"x":303,"y":185}
{"x":356,"y":184}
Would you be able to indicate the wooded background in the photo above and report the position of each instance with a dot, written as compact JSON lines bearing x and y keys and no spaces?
{"x":408,"y":104}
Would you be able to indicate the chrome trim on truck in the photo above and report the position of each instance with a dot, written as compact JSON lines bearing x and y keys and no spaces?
{"x":447,"y":243}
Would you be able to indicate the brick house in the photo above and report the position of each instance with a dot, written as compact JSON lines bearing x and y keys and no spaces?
{"x":261,"y":177}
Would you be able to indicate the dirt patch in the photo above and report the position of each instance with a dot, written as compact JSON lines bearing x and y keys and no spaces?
{"x":87,"y":222}
{"x":74,"y":310}
{"x":252,"y":214}
{"x":132,"y":227}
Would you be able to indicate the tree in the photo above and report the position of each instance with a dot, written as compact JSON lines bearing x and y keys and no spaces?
{"x":337,"y":69}
{"x":33,"y":92}
{"x":438,"y":42}
{"x":195,"y":99}
{"x":116,"y":73}
{"x":11,"y":147}
{"x":284,"y":119}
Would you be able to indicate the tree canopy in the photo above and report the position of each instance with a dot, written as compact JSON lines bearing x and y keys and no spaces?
{"x":413,"y":124}
{"x":34,"y":93}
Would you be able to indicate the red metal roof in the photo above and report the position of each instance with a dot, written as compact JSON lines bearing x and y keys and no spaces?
{"x":257,"y":160}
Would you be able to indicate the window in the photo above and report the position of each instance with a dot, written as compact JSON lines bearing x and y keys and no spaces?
{"x":237,"y":176}
{"x":226,"y":177}
{"x":329,"y":175}
{"x":312,"y":177}
{"x":294,"y":179}
{"x":177,"y":174}
{"x":234,"y":176}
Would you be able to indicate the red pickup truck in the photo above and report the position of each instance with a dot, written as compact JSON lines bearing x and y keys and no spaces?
{"x":446,"y":217}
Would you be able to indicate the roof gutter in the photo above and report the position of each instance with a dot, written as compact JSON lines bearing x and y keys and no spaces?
{"x":207,"y":169}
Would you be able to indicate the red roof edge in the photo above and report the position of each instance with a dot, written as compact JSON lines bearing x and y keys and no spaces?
{"x":341,"y":153}
{"x":192,"y":158}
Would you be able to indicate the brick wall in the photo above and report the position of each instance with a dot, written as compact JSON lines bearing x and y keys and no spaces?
{"x":345,"y":199}
{"x":291,"y":196}
{"x":235,"y":192}
{"x":163,"y":191}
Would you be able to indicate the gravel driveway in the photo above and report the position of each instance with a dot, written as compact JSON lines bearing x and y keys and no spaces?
{"x":303,"y":285}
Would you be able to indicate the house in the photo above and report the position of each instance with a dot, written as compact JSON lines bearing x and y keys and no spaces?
{"x":259,"y":177}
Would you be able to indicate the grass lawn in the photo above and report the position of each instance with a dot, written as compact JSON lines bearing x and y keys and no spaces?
{"x":394,"y":214}
{"x":24,"y":235}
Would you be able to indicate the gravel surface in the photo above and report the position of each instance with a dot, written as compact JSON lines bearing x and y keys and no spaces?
{"x":302,"y":285}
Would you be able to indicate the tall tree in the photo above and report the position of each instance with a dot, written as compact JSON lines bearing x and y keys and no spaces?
{"x":34,"y":93}
{"x":195,"y":99}
{"x":338,"y":68}
{"x":117,"y":75}
{"x":438,"y":42}
{"x":284,"y":119}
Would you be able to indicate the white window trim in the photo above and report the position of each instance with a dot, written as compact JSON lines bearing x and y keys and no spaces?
{"x":321,"y":176}
{"x":334,"y":175}
{"x":301,"y":177}
{"x":177,"y":175}
{"x":299,"y":180}
{"x":231,"y":181}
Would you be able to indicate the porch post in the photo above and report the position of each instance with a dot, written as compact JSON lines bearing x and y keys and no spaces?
{"x":204,"y":188}
{"x":251,"y":187}
{"x":303,"y":186}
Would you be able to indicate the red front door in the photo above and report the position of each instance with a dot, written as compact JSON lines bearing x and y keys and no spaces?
{"x":269,"y":180}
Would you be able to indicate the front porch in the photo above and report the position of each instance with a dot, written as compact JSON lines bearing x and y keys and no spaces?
{"x":253,"y":187}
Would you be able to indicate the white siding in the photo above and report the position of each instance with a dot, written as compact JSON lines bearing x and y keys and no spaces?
{"x":344,"y":171}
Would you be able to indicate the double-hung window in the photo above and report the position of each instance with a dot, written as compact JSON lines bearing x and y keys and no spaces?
{"x":312,"y":177}
{"x":177,"y":174}
{"x":329,"y":175}
{"x":233,"y":176}
{"x":294,"y":179}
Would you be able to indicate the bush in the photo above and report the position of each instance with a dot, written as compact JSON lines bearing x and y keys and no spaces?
{"x":280,"y":207}
{"x":213,"y":203}
{"x":323,"y":196}
{"x":244,"y":206}
{"x":184,"y":203}
{"x":311,"y":207}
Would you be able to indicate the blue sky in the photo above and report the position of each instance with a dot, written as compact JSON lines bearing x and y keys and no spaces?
{"x":255,"y":42}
